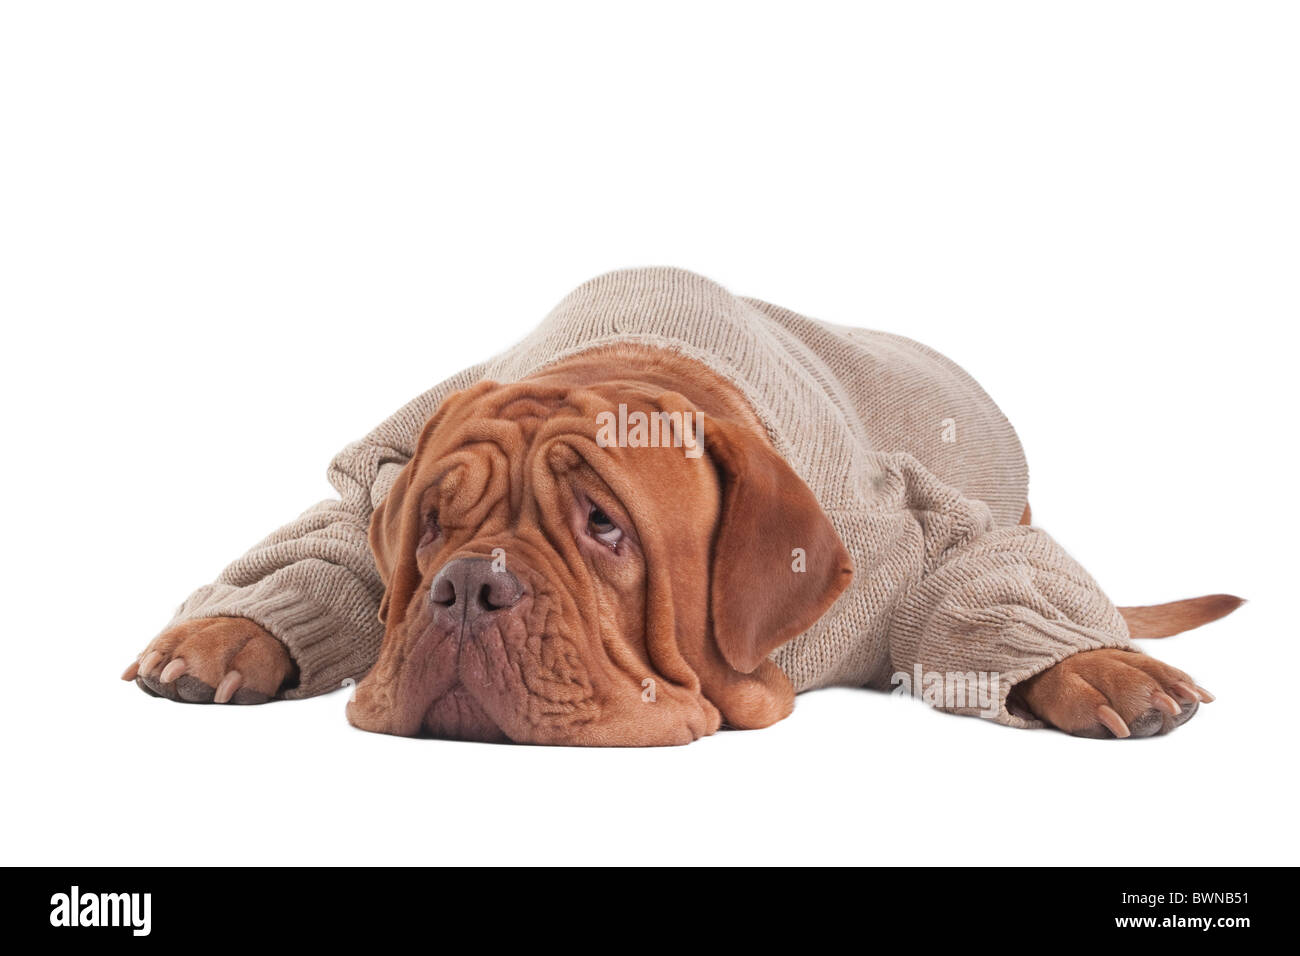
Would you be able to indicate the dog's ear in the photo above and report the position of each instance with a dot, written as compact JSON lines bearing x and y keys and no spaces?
{"x":777,"y":563}
{"x":396,"y":524}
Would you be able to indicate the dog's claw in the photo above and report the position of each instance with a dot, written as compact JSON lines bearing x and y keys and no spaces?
{"x":173,"y":670}
{"x":1163,"y":702}
{"x":1112,"y":720}
{"x":226,"y":689}
{"x":1193,"y":692}
{"x":130,"y":672}
{"x":147,"y":665}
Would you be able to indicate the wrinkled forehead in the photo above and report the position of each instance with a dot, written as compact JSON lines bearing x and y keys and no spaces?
{"x":516,"y":438}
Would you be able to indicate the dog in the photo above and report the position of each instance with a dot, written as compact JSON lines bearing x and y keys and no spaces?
{"x":666,"y":512}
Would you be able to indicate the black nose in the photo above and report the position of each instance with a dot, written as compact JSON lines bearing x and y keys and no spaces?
{"x":466,"y":588}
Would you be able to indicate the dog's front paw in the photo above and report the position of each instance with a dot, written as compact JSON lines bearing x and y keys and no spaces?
{"x":217,"y":659}
{"x":1112,"y":693}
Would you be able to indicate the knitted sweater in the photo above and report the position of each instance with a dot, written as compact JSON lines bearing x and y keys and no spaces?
{"x":919,"y":472}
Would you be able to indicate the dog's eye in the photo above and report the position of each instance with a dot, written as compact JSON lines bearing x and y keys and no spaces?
{"x":432,"y":530}
{"x":600,"y":527}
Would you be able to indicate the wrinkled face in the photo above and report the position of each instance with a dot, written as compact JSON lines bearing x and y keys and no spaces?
{"x":544,"y":585}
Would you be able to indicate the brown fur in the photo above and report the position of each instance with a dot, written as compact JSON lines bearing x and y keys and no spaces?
{"x":1164,"y":620}
{"x":215,"y":654}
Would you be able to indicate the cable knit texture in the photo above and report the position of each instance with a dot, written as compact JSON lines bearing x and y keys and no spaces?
{"x":918,"y":470}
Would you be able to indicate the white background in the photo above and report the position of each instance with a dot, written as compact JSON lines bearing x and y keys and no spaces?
{"x":235,"y":236}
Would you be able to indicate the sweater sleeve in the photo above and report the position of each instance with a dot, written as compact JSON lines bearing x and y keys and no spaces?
{"x":313,"y":583}
{"x":999,"y":603}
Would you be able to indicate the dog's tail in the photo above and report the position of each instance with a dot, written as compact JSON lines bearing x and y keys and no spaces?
{"x":1162,"y":620}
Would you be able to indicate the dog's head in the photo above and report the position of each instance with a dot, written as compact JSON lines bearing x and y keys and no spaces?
{"x":556,"y":573}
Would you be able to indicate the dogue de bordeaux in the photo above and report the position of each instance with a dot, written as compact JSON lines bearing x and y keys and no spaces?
{"x":530,"y":579}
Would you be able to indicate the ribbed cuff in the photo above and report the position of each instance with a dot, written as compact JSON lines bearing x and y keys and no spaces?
{"x":317,"y":641}
{"x":1040,"y":646}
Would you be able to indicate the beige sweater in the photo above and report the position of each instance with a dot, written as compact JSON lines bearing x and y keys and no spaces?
{"x":920,"y":473}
